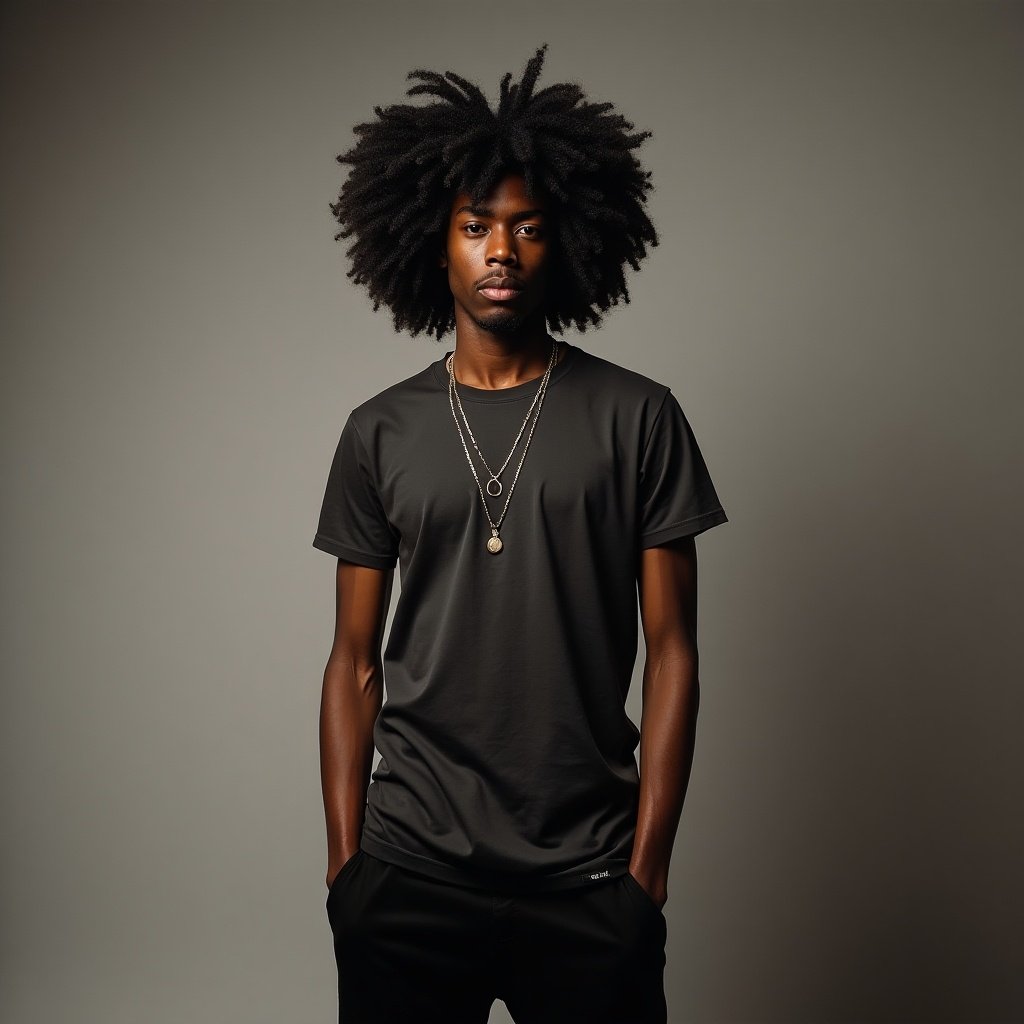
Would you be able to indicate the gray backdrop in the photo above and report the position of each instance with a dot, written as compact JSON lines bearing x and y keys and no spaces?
{"x":836,"y":303}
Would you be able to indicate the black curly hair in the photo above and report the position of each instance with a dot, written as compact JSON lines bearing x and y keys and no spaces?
{"x":410,"y":163}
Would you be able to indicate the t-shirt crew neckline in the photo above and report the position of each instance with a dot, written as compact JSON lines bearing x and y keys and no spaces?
{"x":527,"y":389}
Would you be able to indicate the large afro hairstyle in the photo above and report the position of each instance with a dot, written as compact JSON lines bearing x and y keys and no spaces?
{"x":408,"y":165}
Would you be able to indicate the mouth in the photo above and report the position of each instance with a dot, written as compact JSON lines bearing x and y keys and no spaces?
{"x":501,"y":294}
{"x":501,"y":289}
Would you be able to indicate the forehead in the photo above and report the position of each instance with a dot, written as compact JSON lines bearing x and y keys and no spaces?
{"x":508,"y":196}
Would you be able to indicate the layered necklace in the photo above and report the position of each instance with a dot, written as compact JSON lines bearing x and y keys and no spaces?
{"x":494,"y":542}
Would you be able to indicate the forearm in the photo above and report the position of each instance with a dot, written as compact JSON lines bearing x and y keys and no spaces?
{"x":351,"y":699}
{"x":668,"y":725}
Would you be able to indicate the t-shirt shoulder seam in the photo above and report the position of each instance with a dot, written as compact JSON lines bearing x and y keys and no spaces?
{"x":654,"y":424}
{"x":366,"y":451}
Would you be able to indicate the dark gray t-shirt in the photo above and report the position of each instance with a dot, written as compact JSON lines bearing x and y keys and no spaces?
{"x":507,"y":757}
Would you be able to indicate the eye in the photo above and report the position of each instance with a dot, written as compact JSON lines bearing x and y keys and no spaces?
{"x":472,"y":224}
{"x":533,"y":228}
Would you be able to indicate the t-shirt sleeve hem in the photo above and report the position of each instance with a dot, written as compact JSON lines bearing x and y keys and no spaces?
{"x":349,"y":554}
{"x":684,"y":528}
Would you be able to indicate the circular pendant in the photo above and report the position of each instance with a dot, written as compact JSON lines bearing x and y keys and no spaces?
{"x":494,"y":480}
{"x":494,"y":545}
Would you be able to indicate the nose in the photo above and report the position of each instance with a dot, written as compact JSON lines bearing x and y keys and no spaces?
{"x":501,"y":250}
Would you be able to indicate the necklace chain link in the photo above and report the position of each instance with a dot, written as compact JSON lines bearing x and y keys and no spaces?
{"x":494,"y":544}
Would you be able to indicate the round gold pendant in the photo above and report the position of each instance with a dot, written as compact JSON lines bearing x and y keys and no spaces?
{"x":494,"y":545}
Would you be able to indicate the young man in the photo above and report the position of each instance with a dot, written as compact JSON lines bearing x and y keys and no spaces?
{"x":506,"y":847}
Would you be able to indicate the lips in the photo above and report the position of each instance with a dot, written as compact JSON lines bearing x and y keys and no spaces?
{"x":501,"y":289}
{"x":502,"y":283}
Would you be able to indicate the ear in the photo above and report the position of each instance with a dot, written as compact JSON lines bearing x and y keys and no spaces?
{"x":442,"y":258}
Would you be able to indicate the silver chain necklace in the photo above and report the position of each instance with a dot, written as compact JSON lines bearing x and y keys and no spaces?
{"x":494,"y":542}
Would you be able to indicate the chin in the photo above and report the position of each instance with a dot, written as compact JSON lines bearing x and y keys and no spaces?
{"x":503,"y":321}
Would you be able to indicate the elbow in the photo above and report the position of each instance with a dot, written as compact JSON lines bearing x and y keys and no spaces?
{"x":360,"y":670}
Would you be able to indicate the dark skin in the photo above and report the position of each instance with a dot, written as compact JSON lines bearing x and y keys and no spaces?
{"x":500,"y":344}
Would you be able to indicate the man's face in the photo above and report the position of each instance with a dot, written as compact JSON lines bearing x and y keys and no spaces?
{"x":506,"y":237}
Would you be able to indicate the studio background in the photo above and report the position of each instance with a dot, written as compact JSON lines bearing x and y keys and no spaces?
{"x":835,"y":302}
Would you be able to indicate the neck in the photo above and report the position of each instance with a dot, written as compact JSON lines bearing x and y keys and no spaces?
{"x":492,"y":363}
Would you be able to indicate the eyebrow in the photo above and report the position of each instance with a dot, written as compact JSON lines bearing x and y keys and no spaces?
{"x":486,"y":211}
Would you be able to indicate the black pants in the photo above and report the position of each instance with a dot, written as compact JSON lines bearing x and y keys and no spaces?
{"x":413,"y":948}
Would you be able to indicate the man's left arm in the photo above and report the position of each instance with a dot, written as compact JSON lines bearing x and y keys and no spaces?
{"x":667,"y":586}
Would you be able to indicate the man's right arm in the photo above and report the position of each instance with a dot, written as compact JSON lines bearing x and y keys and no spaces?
{"x":353,"y":692}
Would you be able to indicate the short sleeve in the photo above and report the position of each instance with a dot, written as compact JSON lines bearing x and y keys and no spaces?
{"x":677,"y":496}
{"x":353,"y":525}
